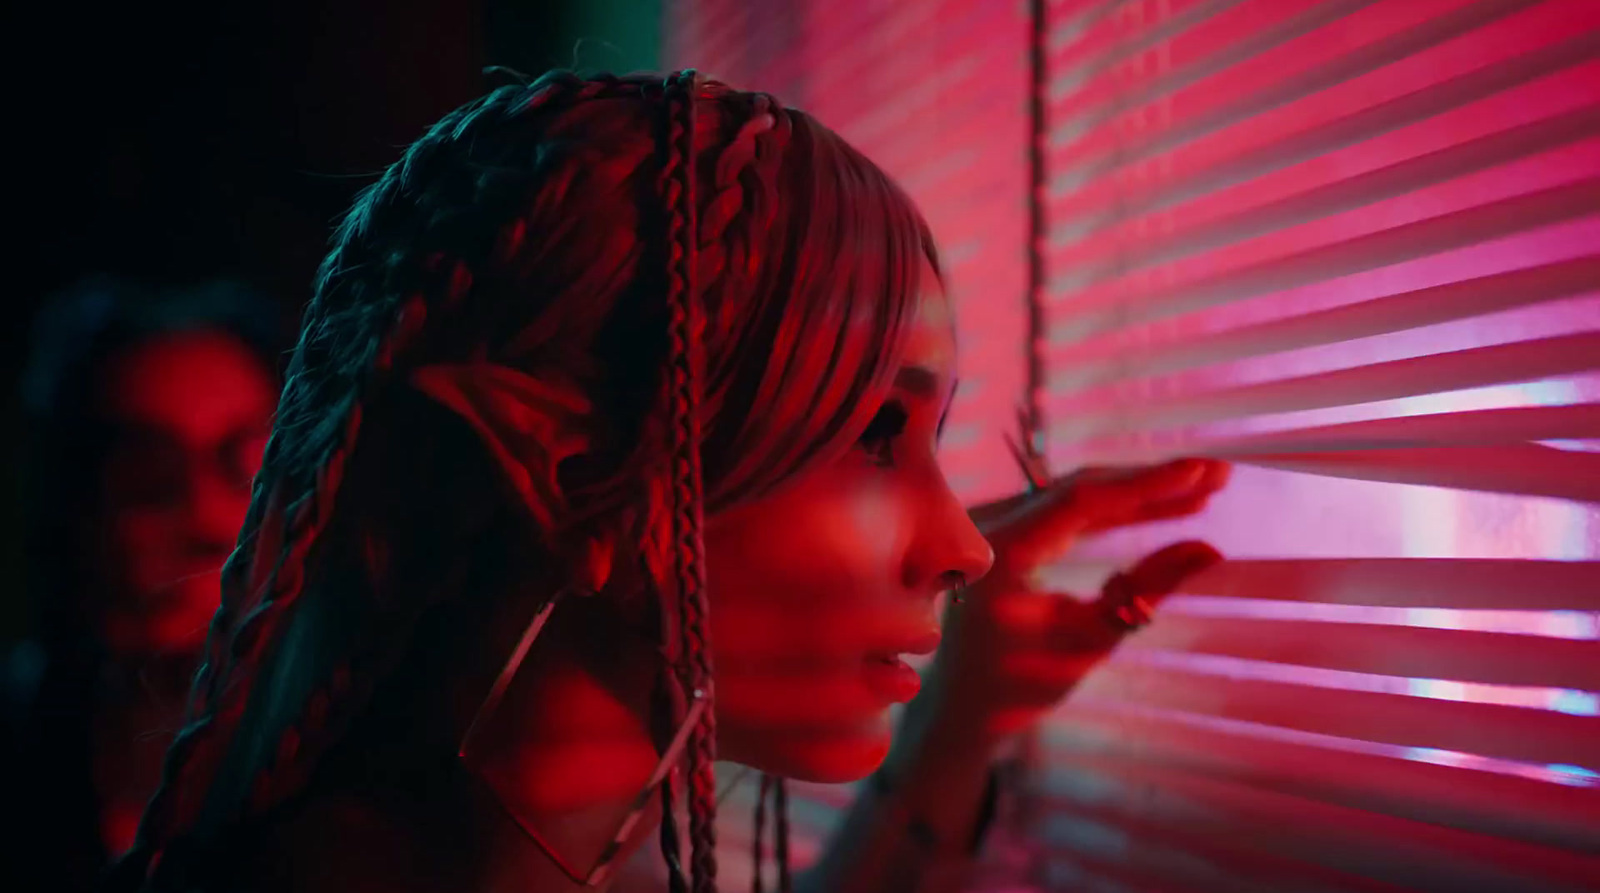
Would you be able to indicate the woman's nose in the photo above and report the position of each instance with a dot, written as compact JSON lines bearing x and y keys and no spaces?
{"x":215,"y":509}
{"x":952,"y":549}
{"x":976,"y":554}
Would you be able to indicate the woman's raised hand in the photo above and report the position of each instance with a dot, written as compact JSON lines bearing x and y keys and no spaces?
{"x":1014,"y":649}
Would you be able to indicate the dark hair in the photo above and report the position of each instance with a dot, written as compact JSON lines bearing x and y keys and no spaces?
{"x":553,"y":228}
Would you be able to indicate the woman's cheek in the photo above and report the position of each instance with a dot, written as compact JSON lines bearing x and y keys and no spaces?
{"x":789,"y":575}
{"x":804,"y":542}
{"x":875,"y":528}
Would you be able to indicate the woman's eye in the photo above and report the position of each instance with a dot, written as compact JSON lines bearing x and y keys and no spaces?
{"x":878,"y":439}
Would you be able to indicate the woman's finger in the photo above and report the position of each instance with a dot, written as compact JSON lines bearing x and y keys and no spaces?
{"x":1098,"y":499}
{"x":1182,"y":507}
{"x":1166,"y":491}
{"x":1164,"y":570}
{"x":997,"y":511}
{"x":1128,"y":598}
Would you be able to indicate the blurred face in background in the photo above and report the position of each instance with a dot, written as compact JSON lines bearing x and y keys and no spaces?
{"x":188,"y":415}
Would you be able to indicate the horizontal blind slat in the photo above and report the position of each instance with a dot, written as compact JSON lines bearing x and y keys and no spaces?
{"x":1513,"y":733}
{"x":1370,"y":844}
{"x":854,"y":44}
{"x":1525,"y":470}
{"x":1223,"y":41}
{"x":1074,"y":63}
{"x":1095,"y":412}
{"x":1467,"y":656}
{"x":1099,"y":309}
{"x":1074,"y":164}
{"x":1482,"y":427}
{"x":1068,"y":20}
{"x":1112,"y":358}
{"x":1167,"y":853}
{"x":1103,"y":256}
{"x":1110,"y":199}
{"x":1457,"y":583}
{"x":1421,"y":785}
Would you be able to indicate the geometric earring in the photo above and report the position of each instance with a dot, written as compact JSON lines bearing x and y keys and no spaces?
{"x":601,"y":868}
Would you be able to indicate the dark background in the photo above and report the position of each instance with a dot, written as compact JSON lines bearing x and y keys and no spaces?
{"x":175,"y":142}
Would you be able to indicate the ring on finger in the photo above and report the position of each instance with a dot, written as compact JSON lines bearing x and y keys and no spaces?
{"x":1122,"y":606}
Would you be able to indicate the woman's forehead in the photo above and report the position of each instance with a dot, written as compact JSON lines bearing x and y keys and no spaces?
{"x":932,"y":338}
{"x":198,"y":384}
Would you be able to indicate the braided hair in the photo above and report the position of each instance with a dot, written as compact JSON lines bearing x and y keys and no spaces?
{"x":676,"y":251}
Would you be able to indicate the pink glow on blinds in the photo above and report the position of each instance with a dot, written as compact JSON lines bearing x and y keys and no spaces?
{"x":1351,"y":246}
{"x":1577,"y":703}
{"x":1574,"y":776}
{"x":1555,"y":624}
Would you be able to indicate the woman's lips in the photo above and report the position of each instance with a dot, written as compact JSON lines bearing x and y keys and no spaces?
{"x":922,"y":643}
{"x":891,"y":678}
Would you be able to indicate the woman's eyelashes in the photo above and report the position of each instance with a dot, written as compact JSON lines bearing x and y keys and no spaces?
{"x":882,"y":432}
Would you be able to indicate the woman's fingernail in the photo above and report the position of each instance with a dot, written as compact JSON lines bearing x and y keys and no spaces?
{"x":1194,"y":470}
{"x":1200,"y":560}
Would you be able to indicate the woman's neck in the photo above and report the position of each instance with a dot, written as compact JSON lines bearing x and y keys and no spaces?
{"x":563,"y":757}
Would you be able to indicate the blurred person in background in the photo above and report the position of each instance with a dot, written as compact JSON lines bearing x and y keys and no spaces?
{"x":146,"y":415}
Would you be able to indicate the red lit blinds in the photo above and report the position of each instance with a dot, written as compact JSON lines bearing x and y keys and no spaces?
{"x":1355,"y":247}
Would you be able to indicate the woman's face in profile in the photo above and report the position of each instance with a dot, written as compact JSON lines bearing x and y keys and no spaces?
{"x":817,"y":587}
{"x":189,"y":415}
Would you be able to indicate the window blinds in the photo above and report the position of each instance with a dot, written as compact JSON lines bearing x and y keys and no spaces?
{"x":1351,"y":245}
{"x":1354,"y":247}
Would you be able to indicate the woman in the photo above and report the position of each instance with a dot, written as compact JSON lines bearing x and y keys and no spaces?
{"x":588,"y":344}
{"x":147,"y":414}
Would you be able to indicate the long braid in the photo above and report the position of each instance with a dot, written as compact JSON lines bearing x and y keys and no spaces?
{"x":671,"y":848}
{"x":685,"y":334}
{"x":271,"y":589}
{"x":265,"y":574}
{"x":775,"y":786}
{"x":756,"y":883}
{"x":780,"y":847}
{"x":277,"y":545}
{"x":366,"y":314}
{"x":453,"y":281}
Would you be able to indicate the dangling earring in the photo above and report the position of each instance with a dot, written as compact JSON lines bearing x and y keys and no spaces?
{"x":958,"y":592}
{"x":591,"y":571}
{"x":775,"y":786}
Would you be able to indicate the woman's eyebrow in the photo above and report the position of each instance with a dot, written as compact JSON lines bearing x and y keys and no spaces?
{"x":923,"y":382}
{"x":919,"y":381}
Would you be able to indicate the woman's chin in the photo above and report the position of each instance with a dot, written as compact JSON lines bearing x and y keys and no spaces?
{"x":825,"y":756}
